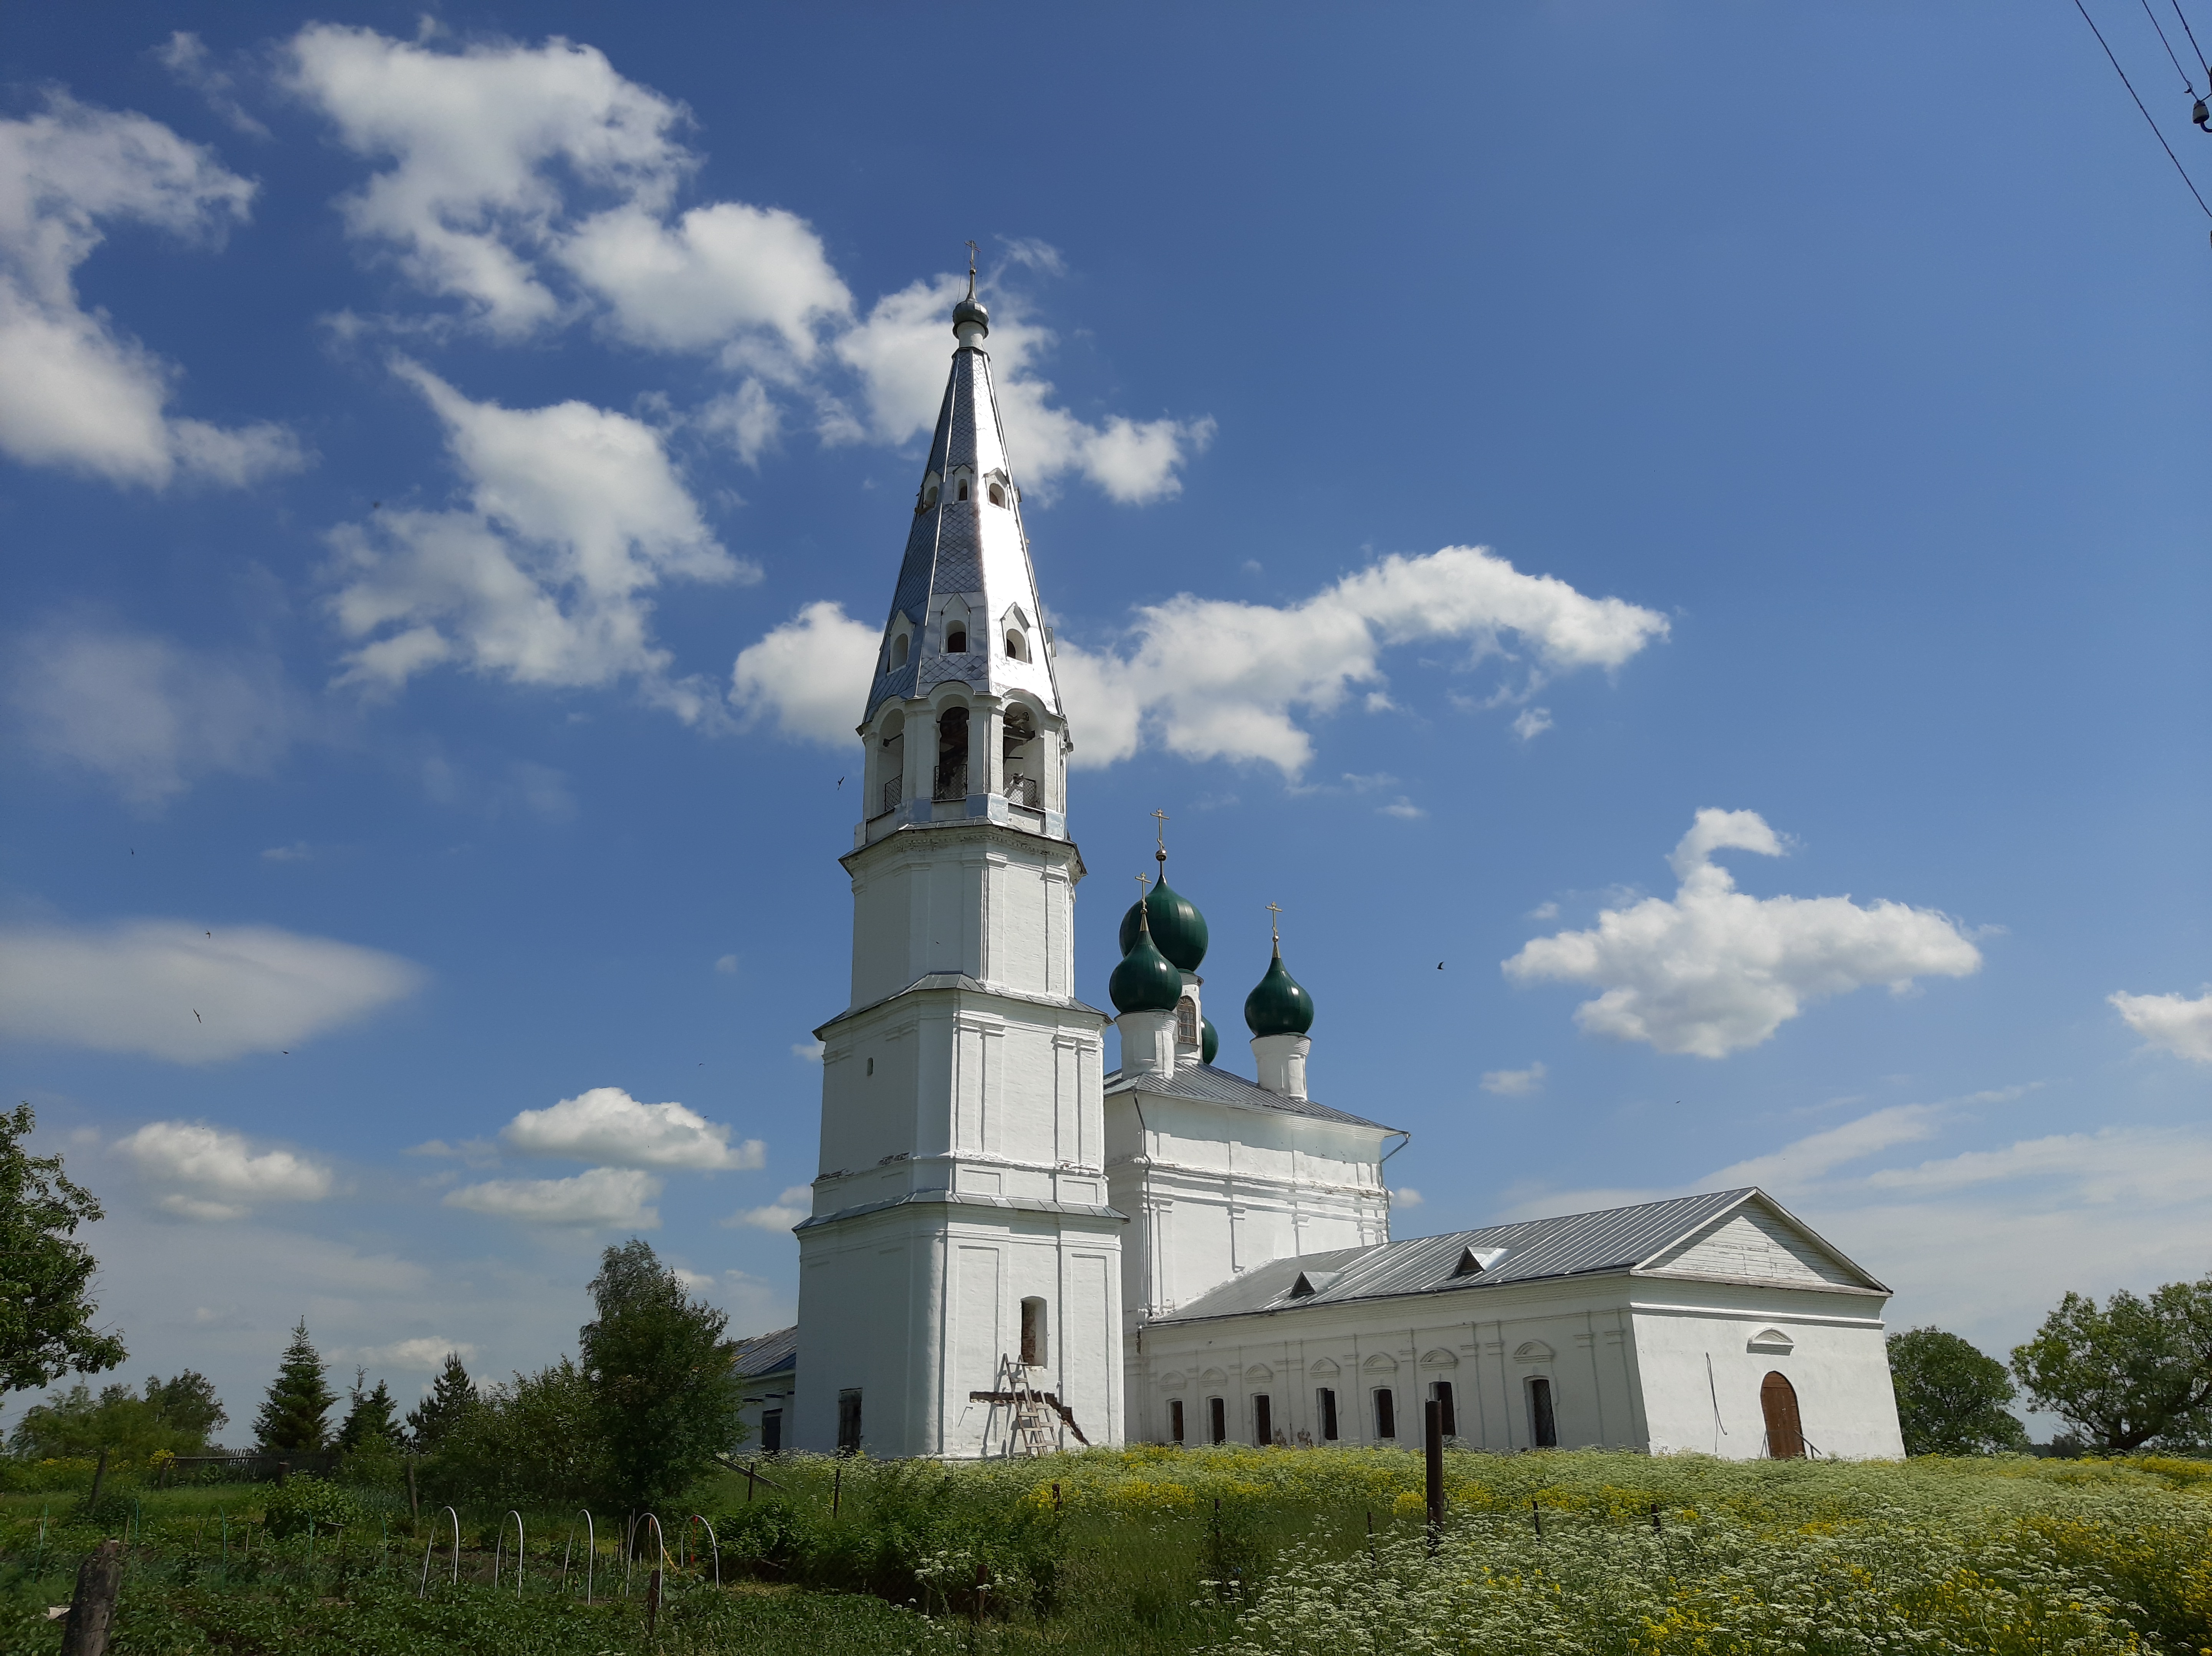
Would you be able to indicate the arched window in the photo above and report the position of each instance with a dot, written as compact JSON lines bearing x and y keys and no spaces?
{"x":951,"y":779}
{"x":898,"y":651}
{"x":929,"y":497}
{"x":1777,"y":1401}
{"x":997,"y":495}
{"x":964,"y":488}
{"x":955,"y":639}
{"x":1187,"y":1022}
{"x":1018,"y":647}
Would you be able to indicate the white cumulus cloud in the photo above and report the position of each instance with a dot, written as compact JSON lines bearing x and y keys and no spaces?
{"x":1214,"y":679}
{"x":574,"y":515}
{"x":1514,"y":1083}
{"x":190,"y":993}
{"x":810,"y":674}
{"x":425,"y":1354}
{"x":75,"y":391}
{"x":610,"y":1197}
{"x":2171,"y":1023}
{"x":606,"y":1124}
{"x":1714,"y":969}
{"x":787,"y":1210}
{"x":146,"y":714}
{"x":209,"y":1173}
{"x":537,"y":187}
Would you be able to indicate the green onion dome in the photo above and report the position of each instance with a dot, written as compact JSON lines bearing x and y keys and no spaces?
{"x":1209,"y":1041}
{"x":1280,"y":1005}
{"x":1146,"y":981}
{"x":1178,"y":929}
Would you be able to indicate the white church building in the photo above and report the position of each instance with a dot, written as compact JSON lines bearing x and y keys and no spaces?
{"x":1002,"y":1232}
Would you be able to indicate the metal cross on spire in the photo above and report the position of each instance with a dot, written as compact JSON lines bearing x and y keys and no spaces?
{"x":1275,"y":925}
{"x":1160,"y":828}
{"x":971,"y":270}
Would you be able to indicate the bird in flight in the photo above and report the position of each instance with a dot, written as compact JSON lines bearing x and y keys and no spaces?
{"x":196,"y":1016}
{"x":840,"y":781}
{"x":1440,"y":966}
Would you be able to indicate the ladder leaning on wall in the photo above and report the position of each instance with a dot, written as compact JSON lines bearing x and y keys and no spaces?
{"x":1029,"y":1434}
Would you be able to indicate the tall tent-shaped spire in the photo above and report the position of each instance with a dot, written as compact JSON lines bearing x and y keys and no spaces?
{"x":966,"y":607}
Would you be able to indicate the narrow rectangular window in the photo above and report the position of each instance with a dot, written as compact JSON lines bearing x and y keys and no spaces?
{"x":1033,"y":1347}
{"x":1386,"y":1413}
{"x":771,"y":1431}
{"x":1263,"y":1420}
{"x":1326,"y":1401}
{"x":1174,"y":1420}
{"x":1543,"y":1428}
{"x":1219,"y":1421}
{"x":1447,"y":1416}
{"x":849,"y":1421}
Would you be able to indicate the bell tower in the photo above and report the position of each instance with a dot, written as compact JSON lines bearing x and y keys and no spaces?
{"x":960,"y":1219}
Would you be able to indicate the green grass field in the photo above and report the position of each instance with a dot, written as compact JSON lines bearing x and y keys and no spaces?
{"x":1238,"y":1550}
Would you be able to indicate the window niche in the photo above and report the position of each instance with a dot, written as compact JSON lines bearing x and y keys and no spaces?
{"x":1543,"y":1421}
{"x":1325,"y":1409}
{"x":1386,"y":1413}
{"x":1174,"y":1420}
{"x":997,"y":495}
{"x":901,"y":648}
{"x":849,"y":1421}
{"x":1034,"y":1348}
{"x":1217,"y":1421}
{"x":1263,"y":1419}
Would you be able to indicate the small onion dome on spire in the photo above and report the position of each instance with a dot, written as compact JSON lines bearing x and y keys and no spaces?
{"x":1210,"y":1040}
{"x":1144,"y":980}
{"x":1178,"y":929}
{"x":971,"y":309}
{"x":1280,"y":1005}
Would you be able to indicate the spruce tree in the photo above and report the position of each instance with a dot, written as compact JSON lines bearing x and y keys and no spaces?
{"x":451,"y":1397}
{"x":292,"y":1419}
{"x":372,"y":1420}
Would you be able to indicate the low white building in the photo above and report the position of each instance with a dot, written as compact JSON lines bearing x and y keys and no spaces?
{"x":1172,"y":1252}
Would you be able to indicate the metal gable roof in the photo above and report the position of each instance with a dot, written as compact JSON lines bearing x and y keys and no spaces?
{"x":1575,"y":1244}
{"x":1204,"y":1080}
{"x":767,"y":1354}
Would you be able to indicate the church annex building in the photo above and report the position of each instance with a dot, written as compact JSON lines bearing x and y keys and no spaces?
{"x":1012,"y":1250}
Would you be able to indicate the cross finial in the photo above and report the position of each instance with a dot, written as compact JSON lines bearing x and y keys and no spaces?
{"x":971,"y":270}
{"x":1275,"y":925}
{"x":1160,"y":828}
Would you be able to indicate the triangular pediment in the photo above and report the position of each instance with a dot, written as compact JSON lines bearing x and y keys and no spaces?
{"x":1760,"y":1241}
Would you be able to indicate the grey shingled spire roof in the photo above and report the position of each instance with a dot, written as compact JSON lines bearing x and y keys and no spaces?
{"x":970,"y":553}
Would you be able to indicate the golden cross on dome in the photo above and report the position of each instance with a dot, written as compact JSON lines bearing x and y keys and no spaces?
{"x":1275,"y":925}
{"x":1160,"y":829}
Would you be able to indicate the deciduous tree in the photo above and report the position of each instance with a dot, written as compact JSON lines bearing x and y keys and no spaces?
{"x":2132,"y":1373}
{"x":45,"y":1275}
{"x":659,"y":1368}
{"x":1951,"y":1398}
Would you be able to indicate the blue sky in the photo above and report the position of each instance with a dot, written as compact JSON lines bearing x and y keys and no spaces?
{"x":1690,"y":517}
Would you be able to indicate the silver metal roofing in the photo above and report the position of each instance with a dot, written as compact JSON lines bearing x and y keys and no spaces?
{"x":1577,"y":1244}
{"x":1203,"y":1080}
{"x":767,"y":1354}
{"x":969,"y":550}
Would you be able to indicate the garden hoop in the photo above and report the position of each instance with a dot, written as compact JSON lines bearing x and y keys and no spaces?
{"x":498,"y":1551}
{"x":430,"y":1546}
{"x":591,"y":1550}
{"x":716,"y":1545}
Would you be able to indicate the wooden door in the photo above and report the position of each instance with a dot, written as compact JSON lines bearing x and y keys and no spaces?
{"x":1785,"y":1433}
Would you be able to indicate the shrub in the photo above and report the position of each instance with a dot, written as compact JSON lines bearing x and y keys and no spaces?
{"x":296,"y":1503}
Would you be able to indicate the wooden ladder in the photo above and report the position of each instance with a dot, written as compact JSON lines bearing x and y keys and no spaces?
{"x":1030,"y":1434}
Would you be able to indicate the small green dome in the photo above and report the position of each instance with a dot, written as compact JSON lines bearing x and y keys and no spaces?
{"x":1178,"y":929}
{"x":1209,"y":1041}
{"x":1280,"y":1005}
{"x":1146,"y":981}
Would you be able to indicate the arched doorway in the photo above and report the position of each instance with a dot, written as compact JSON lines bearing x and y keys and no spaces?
{"x":1785,"y":1433}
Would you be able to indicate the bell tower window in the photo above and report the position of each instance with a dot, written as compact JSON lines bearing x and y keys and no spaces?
{"x":964,"y":488}
{"x":899,"y":647}
{"x":1018,"y":647}
{"x":997,"y":495}
{"x":955,"y":639}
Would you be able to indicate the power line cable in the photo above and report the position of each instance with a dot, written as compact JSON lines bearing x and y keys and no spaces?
{"x":2187,"y":85}
{"x":2193,"y":46}
{"x":2156,"y":133}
